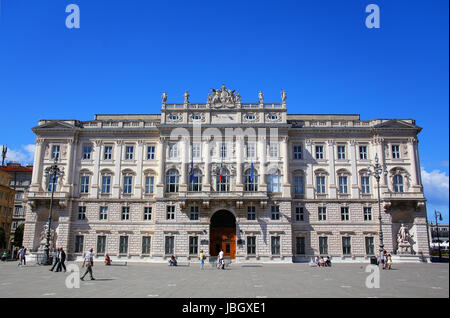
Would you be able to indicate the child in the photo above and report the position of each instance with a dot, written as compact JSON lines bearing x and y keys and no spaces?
{"x":389,"y":261}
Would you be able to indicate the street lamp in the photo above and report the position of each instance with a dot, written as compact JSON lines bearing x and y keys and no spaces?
{"x":53,"y":173}
{"x":379,"y":170}
{"x":436,"y":215}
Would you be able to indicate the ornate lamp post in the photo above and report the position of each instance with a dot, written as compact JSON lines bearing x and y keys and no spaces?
{"x":436,"y":215}
{"x":53,"y":173}
{"x":377,"y":172}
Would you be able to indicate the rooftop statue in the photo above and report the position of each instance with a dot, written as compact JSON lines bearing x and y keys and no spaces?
{"x":223,"y":96}
{"x":261,"y":97}
{"x":164,"y":97}
{"x":186,"y":97}
{"x":283,"y":96}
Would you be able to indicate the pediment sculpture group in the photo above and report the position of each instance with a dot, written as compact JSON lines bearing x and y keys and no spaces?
{"x":224,"y":96}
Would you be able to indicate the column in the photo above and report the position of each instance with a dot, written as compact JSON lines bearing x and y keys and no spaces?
{"x":184,"y":160}
{"x":285,"y":155}
{"x":354,"y":163}
{"x":310,"y":170}
{"x":332,"y":176}
{"x":262,"y":148}
{"x":161,"y":153}
{"x":239,"y":184}
{"x":139,"y":161}
{"x":70,"y":162}
{"x":207,"y":159}
{"x":37,"y":166}
{"x":413,"y":160}
{"x":95,"y":177}
{"x":117,"y":168}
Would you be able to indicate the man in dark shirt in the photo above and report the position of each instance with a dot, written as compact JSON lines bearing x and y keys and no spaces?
{"x":62,"y":259}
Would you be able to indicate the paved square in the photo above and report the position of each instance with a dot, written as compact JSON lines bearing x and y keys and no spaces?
{"x":287,"y":280}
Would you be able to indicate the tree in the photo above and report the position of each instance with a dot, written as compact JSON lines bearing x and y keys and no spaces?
{"x":18,"y":235}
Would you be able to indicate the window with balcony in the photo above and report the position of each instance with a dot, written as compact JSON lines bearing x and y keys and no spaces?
{"x":223,"y":180}
{"x":52,"y":183}
{"x":172,"y":181}
{"x":251,"y":180}
{"x":398,"y":183}
{"x":274,"y":181}
{"x":195,"y":181}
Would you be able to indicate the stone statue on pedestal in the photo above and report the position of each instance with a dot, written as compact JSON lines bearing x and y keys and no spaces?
{"x":403,"y":240}
{"x":261,"y":97}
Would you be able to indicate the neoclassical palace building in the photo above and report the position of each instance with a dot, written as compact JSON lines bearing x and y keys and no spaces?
{"x":248,"y":178}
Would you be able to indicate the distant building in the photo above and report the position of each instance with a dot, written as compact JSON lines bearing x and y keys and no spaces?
{"x":6,"y":208}
{"x":20,"y":181}
{"x":438,"y":233}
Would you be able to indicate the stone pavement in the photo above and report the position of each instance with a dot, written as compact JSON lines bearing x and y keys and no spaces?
{"x":272,"y":281}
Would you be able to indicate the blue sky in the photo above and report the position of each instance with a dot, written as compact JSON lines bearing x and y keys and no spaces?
{"x":126,"y":53}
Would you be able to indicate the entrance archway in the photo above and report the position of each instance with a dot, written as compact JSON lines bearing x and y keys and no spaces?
{"x":223,"y":234}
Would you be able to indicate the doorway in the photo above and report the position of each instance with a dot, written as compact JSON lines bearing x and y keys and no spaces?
{"x":223,"y":234}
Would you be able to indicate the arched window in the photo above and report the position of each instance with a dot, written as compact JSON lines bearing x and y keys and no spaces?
{"x":195,"y":181}
{"x":398,"y":183}
{"x":223,"y":180}
{"x":274,"y":181}
{"x":299,"y":182}
{"x":250,"y":180}
{"x":172,"y":180}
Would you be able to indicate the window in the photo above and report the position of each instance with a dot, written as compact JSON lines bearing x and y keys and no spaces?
{"x":322,"y":213}
{"x":370,"y":246}
{"x":223,"y":180}
{"x":193,"y":245}
{"x":127,"y":184}
{"x":365,"y":185}
{"x":106,"y":184}
{"x":251,"y":213}
{"x":275,"y":244}
{"x":173,"y":151}
{"x":363,"y":152}
{"x":84,"y":184}
{"x":151,"y":153}
{"x":320,"y":180}
{"x":341,"y":152}
{"x":101,"y":244}
{"x":146,"y":243}
{"x":173,"y":117}
{"x":195,"y":181}
{"x":323,"y":245}
{"x":123,"y":245}
{"x":250,"y":117}
{"x":129,"y":150}
{"x":298,"y":185}
{"x":87,"y":149}
{"x":251,"y":245}
{"x":223,"y":150}
{"x":81,"y":213}
{"x":395,"y":151}
{"x":147,"y":213}
{"x":398,"y":183}
{"x":300,"y":245}
{"x":79,"y":239}
{"x":273,"y":117}
{"x":275,"y":215}
{"x":193,"y":216}
{"x":345,"y":215}
{"x":319,"y":152}
{"x":346,"y":245}
{"x":107,"y":153}
{"x":299,"y":213}
{"x":367,"y":214}
{"x":343,"y":188}
{"x":196,"y":150}
{"x":103,"y":213}
{"x":251,"y":150}
{"x":52,"y":183}
{"x":172,"y":181}
{"x":170,"y":212}
{"x":251,"y":180}
{"x":125,"y":213}
{"x":297,"y":152}
{"x":274,"y":181}
{"x":196,"y":117}
{"x":169,"y":245}
{"x":149,"y":183}
{"x":55,"y":151}
{"x":273,"y":150}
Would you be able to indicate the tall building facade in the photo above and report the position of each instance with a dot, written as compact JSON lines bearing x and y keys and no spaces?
{"x":20,"y":182}
{"x":248,"y":178}
{"x":6,"y":209}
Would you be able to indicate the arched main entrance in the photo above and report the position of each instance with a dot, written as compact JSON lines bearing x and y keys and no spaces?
{"x":223,"y":234}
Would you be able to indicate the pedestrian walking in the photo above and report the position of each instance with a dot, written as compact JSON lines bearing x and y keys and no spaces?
{"x":4,"y":255}
{"x":389,"y":261}
{"x":62,"y":259}
{"x":21,"y":256}
{"x":89,"y":262}
{"x":221,"y":263}
{"x":383,"y":257}
{"x":56,"y":261}
{"x":202,"y":259}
